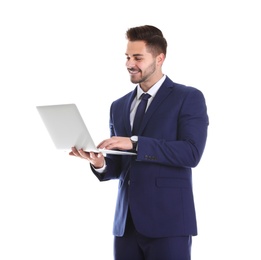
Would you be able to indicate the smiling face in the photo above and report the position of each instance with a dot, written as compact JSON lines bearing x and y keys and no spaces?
{"x":144,"y":67}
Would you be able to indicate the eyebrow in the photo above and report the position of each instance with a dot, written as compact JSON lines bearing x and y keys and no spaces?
{"x":134,"y":55}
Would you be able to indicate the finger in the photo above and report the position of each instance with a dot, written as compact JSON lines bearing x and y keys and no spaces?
{"x":83,"y":154}
{"x":99,"y":155}
{"x":103,"y":144}
{"x":94,"y":156}
{"x":74,"y":152}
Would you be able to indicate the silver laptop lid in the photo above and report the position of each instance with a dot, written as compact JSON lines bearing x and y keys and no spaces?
{"x":67,"y":128}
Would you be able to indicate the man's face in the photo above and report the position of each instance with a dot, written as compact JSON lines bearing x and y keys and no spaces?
{"x":142,"y":66}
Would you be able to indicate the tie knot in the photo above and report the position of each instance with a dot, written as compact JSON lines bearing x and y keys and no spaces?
{"x":145,"y":96}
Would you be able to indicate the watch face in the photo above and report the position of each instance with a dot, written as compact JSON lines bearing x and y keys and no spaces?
{"x":134,"y":138}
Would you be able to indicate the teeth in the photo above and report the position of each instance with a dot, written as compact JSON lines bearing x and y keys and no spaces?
{"x":133,"y":71}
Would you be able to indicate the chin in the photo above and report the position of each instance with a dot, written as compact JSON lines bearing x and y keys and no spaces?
{"x":134,"y":80}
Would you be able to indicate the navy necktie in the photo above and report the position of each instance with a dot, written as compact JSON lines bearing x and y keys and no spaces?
{"x":140,"y":113}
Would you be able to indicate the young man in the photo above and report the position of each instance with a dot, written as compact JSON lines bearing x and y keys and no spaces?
{"x":155,"y":214}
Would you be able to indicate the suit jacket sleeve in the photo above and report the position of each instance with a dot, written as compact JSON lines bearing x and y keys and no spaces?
{"x":184,"y":146}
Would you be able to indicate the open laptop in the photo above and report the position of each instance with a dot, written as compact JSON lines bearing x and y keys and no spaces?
{"x":67,"y":129}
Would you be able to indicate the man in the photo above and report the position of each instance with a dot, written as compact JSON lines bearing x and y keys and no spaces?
{"x":155,"y":216}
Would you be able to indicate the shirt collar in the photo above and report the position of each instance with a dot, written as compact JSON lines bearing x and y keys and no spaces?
{"x":153,"y":90}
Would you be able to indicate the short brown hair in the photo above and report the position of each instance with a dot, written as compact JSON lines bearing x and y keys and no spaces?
{"x":151,"y":35}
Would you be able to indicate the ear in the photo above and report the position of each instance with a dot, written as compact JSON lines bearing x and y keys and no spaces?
{"x":160,"y":59}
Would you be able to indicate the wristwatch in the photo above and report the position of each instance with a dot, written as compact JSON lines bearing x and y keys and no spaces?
{"x":134,"y":140}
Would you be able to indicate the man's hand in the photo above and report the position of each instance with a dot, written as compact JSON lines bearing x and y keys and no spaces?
{"x":96,"y":159}
{"x":116,"y":142}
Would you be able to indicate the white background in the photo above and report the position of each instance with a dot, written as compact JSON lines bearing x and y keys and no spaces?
{"x":51,"y":205}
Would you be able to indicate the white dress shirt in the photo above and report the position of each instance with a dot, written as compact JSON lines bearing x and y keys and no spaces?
{"x":152,"y":91}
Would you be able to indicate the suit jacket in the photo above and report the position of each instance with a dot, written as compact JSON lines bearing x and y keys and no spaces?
{"x":156,"y":185}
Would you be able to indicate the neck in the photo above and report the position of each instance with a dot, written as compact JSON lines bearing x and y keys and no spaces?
{"x":146,"y":85}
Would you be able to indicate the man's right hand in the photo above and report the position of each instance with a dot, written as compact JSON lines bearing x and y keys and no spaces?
{"x":96,"y":159}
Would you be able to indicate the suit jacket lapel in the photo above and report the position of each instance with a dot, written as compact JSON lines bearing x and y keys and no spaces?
{"x":126,"y":112}
{"x":162,"y":94}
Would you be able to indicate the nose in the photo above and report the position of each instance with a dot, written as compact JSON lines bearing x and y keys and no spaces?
{"x":130,"y":63}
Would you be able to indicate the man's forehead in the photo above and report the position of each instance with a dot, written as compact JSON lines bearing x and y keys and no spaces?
{"x":136,"y":48}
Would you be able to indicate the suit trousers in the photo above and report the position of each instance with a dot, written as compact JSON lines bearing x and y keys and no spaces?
{"x":135,"y":246}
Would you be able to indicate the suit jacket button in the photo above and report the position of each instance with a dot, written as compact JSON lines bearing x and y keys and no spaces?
{"x":129,"y":182}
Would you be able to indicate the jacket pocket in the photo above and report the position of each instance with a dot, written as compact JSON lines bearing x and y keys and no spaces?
{"x":172,"y":183}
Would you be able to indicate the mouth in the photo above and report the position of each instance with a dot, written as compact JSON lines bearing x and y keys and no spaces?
{"x":133,"y":71}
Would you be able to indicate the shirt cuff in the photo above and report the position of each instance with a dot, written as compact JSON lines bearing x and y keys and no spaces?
{"x":100,"y":170}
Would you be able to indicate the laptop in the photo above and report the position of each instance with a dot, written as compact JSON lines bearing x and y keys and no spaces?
{"x":67,"y":129}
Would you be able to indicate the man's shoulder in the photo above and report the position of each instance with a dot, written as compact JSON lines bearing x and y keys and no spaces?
{"x":178,"y":87}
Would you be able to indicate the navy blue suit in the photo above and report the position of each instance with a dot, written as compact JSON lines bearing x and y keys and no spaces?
{"x":156,"y":185}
